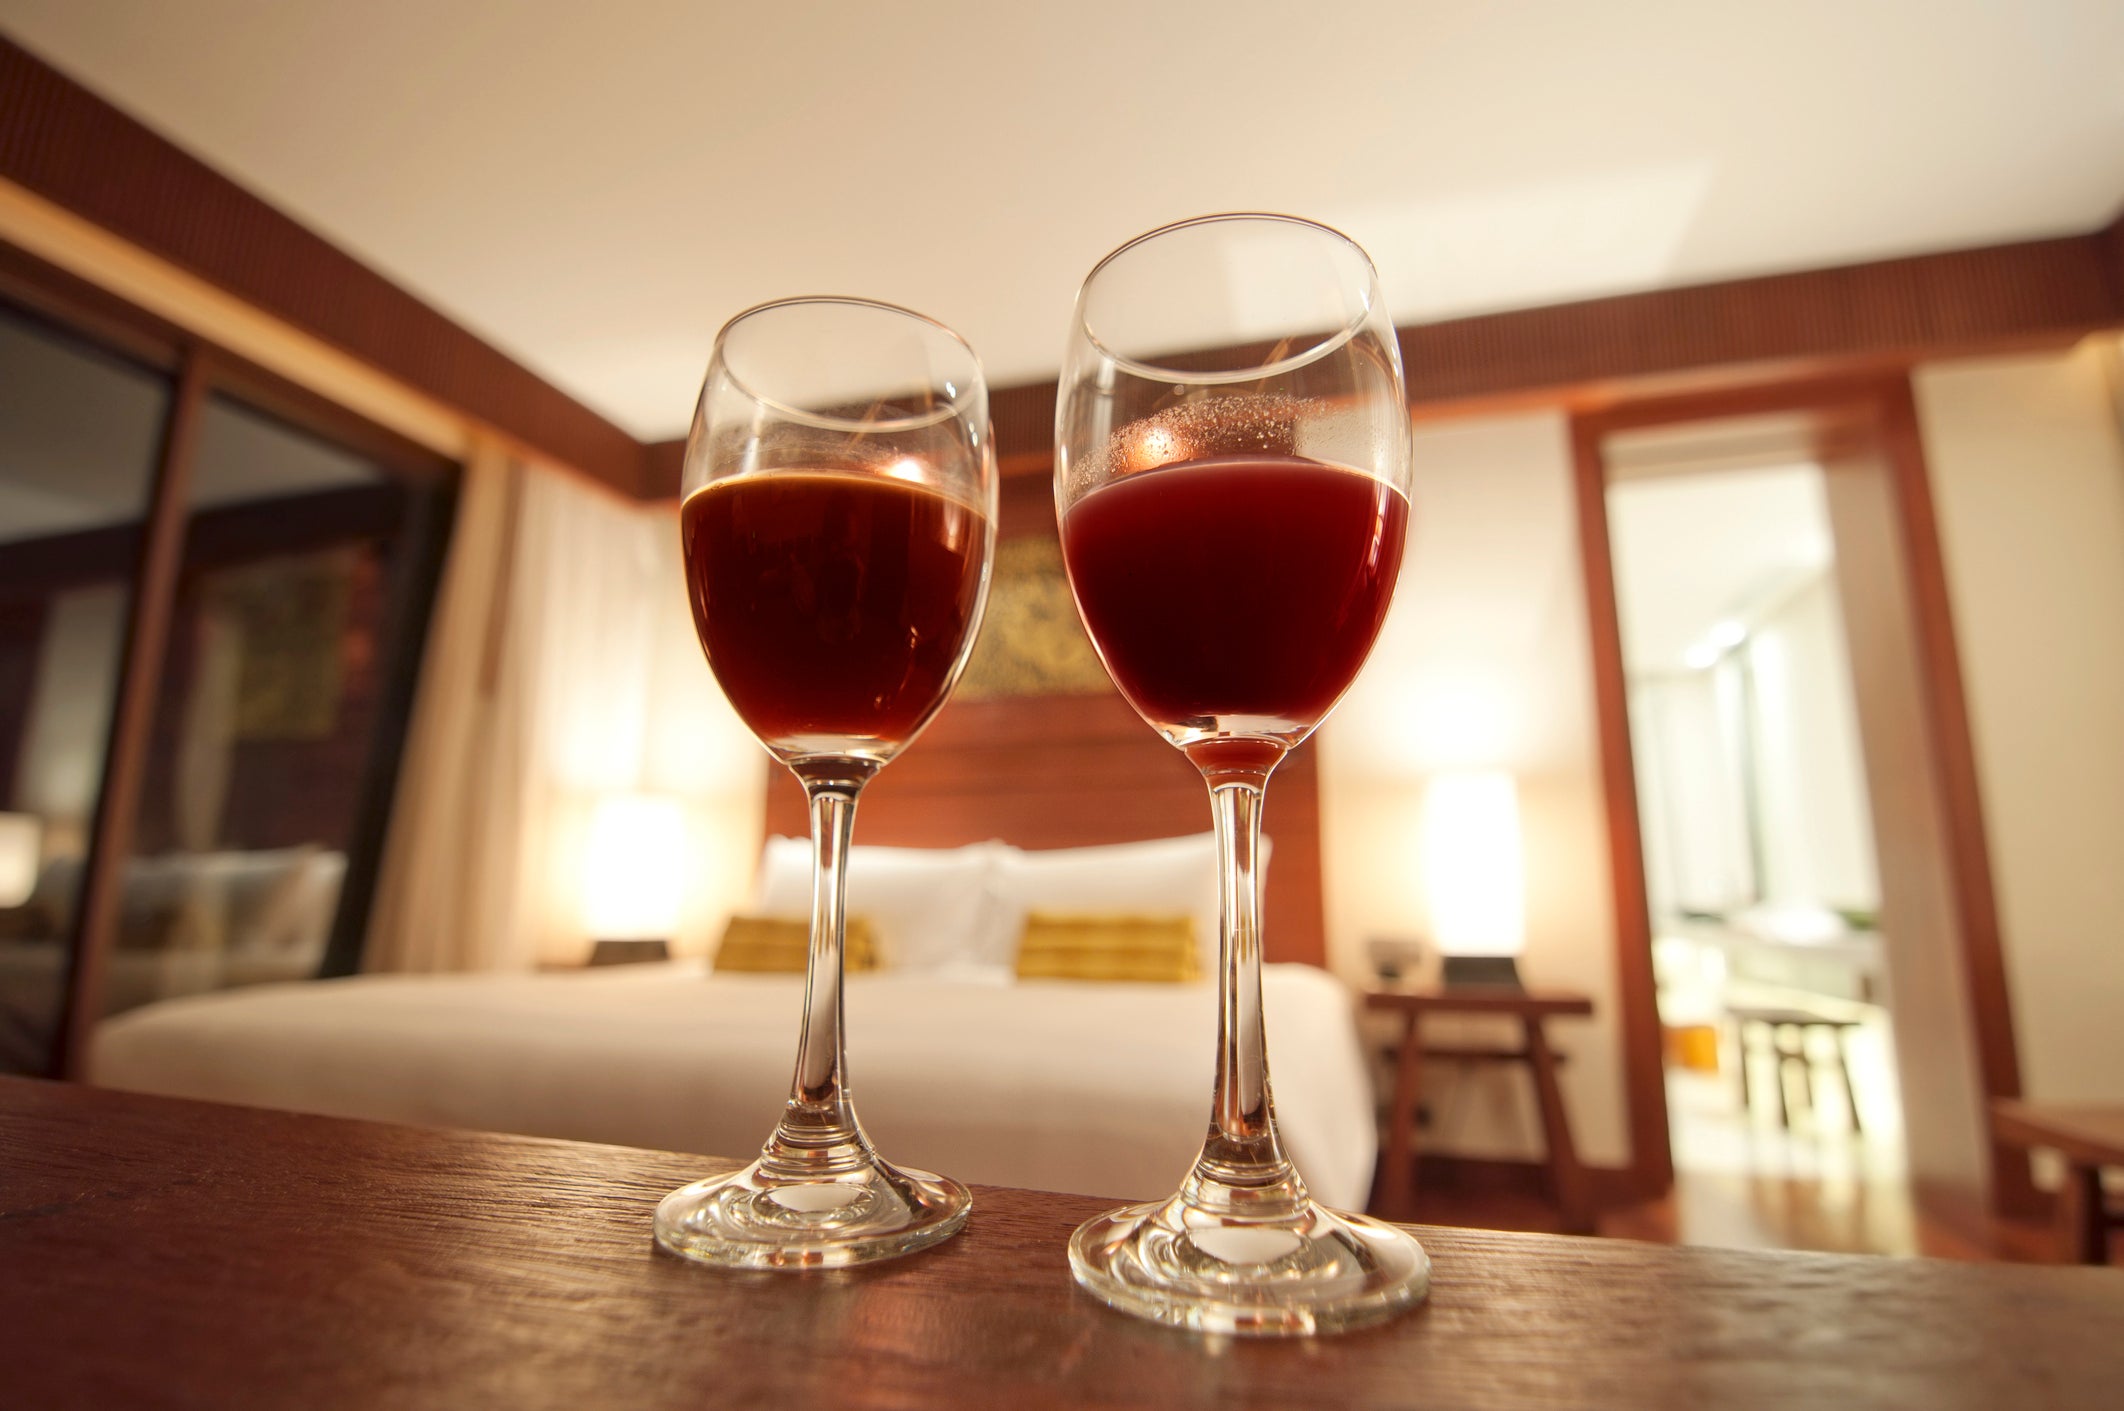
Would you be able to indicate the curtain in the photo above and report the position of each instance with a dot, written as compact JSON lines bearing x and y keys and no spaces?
{"x":561,"y":667}
{"x":1689,"y":741}
{"x":443,"y":895}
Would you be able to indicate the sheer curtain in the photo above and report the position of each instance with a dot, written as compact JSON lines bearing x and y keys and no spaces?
{"x":561,"y":667}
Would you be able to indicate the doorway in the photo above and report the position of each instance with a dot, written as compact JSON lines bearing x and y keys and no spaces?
{"x":1758,"y":842}
{"x":1808,"y":948}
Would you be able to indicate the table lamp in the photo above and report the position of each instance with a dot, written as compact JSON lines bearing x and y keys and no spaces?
{"x":1475,"y":875}
{"x":20,"y":836}
{"x":633,"y":869}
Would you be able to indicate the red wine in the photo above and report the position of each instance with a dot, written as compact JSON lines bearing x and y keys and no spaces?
{"x":834,"y":607}
{"x":1236,"y":595}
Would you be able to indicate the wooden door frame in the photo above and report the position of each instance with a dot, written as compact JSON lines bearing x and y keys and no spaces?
{"x":1882,"y":408}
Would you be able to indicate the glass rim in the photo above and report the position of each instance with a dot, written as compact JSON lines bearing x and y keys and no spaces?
{"x":945,"y":412}
{"x":1160,"y":372}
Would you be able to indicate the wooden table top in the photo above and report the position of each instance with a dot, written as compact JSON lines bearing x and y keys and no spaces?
{"x":160,"y":1253}
{"x":1480,"y":999}
{"x":2083,"y":1132}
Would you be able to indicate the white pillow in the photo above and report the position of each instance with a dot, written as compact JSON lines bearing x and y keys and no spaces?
{"x":1163,"y":876}
{"x":931,"y":906}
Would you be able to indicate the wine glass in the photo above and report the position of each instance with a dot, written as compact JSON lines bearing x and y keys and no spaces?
{"x":1231,"y":481}
{"x":838,"y":522}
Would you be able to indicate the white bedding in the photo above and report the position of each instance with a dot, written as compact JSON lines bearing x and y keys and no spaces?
{"x":1091,"y":1088}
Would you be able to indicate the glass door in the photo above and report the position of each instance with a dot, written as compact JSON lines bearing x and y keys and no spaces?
{"x":214,"y":591}
{"x":80,"y":433}
{"x":295,"y":619}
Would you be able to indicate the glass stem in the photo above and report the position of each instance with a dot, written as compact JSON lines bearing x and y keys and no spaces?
{"x":1242,"y":1168}
{"x":818,"y":1136}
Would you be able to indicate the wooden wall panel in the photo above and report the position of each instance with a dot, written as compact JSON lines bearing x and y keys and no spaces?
{"x":1024,"y":418}
{"x":1075,"y":771}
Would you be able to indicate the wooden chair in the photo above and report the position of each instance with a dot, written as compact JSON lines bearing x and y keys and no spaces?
{"x":1778,"y":1023}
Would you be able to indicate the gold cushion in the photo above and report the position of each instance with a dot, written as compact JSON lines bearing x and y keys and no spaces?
{"x":1156,"y":949}
{"x":766,"y":945}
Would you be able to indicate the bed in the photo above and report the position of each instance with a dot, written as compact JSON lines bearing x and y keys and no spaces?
{"x":1088,"y":1088}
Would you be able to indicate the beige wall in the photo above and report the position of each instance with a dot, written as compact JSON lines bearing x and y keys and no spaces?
{"x":2028,"y":475}
{"x":1484,"y":663}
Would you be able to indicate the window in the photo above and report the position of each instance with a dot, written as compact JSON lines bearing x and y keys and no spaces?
{"x":228,"y":825}
{"x":80,"y":428}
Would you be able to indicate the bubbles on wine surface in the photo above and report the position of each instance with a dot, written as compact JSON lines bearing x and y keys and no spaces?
{"x":1199,"y":428}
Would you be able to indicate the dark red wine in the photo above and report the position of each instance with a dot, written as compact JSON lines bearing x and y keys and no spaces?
{"x":834,"y":607}
{"x":1236,"y":595}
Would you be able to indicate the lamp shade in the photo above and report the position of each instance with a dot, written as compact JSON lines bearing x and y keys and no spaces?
{"x":20,"y":835}
{"x":634,"y":867}
{"x":1473,"y":866}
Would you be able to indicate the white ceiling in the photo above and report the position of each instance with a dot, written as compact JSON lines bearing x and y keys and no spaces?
{"x":595,"y":188}
{"x":1695,"y":551}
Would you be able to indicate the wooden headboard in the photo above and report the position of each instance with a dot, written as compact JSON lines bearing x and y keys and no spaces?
{"x":1074,"y":771}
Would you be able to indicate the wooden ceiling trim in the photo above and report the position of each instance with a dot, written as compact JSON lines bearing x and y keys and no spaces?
{"x":61,"y":142}
{"x":1870,"y":317}
{"x":2029,"y":294}
{"x":2111,"y":239}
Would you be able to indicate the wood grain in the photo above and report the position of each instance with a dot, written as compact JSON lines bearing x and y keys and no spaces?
{"x":167,"y":1254}
{"x":1636,"y":989}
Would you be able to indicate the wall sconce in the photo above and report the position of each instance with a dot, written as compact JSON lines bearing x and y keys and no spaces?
{"x":634,"y":868}
{"x":1475,"y":874}
{"x":21,"y":835}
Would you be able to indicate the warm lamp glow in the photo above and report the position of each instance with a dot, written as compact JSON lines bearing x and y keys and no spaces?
{"x":1472,"y":864}
{"x":633,"y":867}
{"x":1153,"y":446}
{"x":19,"y":837}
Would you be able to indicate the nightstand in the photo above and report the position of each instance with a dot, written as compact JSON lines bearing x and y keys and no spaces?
{"x":1532,"y":1008}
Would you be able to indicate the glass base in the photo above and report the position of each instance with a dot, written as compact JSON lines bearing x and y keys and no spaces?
{"x":1313,"y":1272}
{"x":750,"y":1220}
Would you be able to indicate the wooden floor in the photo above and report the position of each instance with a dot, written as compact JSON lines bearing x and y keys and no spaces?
{"x":1746,"y":1183}
{"x":1753,"y":1212}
